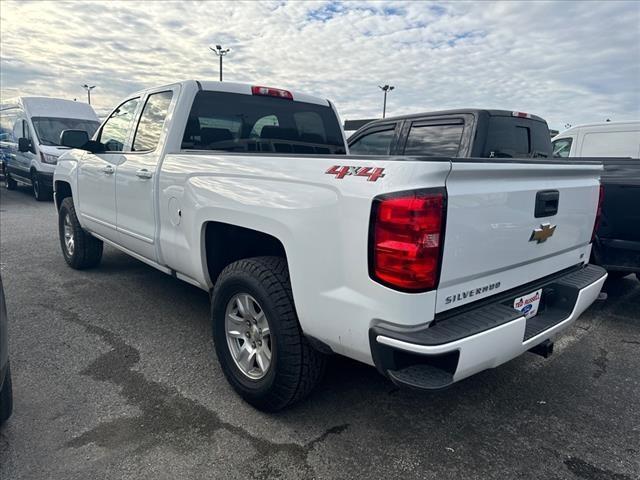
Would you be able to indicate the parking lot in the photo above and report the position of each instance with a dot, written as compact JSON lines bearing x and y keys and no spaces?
{"x":115,"y":377}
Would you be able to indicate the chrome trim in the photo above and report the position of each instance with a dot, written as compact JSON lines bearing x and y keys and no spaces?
{"x":98,"y":221}
{"x":137,"y":236}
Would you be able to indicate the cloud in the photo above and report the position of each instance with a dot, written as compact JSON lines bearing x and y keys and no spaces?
{"x":569,"y":62}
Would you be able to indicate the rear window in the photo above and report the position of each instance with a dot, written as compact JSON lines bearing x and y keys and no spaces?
{"x":434,"y":140}
{"x":236,"y":122}
{"x":511,"y":137}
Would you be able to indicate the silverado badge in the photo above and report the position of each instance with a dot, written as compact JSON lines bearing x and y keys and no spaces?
{"x":541,"y":234}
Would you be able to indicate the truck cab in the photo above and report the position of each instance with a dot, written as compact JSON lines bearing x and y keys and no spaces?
{"x":456,"y":133}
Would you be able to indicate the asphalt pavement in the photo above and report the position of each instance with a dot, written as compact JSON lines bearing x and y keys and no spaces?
{"x":115,"y":377}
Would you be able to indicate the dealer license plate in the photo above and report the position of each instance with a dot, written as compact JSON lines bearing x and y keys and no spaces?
{"x":528,"y":304}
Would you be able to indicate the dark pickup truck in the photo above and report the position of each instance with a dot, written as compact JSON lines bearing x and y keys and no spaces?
{"x":617,"y":243}
{"x":468,"y":133}
{"x":476,"y":133}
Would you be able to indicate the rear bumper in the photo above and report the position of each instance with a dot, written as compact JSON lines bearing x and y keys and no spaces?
{"x":436,"y":355}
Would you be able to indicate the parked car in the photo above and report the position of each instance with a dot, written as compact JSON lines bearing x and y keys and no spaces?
{"x":431,"y":269}
{"x":617,"y":243}
{"x":30,"y":130}
{"x":456,"y":133}
{"x":6,"y":393}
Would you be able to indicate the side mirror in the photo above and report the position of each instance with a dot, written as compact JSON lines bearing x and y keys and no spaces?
{"x":24,"y":144}
{"x":94,"y":147}
{"x":74,"y":138}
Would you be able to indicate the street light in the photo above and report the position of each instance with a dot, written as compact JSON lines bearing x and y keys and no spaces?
{"x":220,"y":52}
{"x":88,"y":89}
{"x":385,"y":89}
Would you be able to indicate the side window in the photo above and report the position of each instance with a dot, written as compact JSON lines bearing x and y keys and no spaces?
{"x":116,"y":130}
{"x":434,"y":140}
{"x":26,"y":131}
{"x":375,"y":143}
{"x":562,"y":147}
{"x":18,"y":128}
{"x":151,"y":121}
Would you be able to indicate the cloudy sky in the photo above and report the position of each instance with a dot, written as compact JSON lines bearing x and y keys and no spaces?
{"x":570,"y":62}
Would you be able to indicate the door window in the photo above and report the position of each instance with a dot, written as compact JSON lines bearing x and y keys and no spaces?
{"x":562,"y":147}
{"x":151,"y":121}
{"x":434,"y":140}
{"x":374,"y":143}
{"x":26,"y":131}
{"x":117,"y":128}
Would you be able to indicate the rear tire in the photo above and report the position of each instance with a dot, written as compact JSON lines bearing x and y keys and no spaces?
{"x":295,"y":368}
{"x":9,"y":182}
{"x":80,"y":249}
{"x":6,"y":397}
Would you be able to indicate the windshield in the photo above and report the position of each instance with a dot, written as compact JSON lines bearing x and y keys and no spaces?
{"x":250,"y":123}
{"x":48,"y":129}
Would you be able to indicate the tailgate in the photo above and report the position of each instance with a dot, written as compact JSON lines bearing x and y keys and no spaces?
{"x":493,"y":239}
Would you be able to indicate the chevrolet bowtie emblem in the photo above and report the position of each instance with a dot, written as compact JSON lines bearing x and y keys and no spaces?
{"x":541,"y":234}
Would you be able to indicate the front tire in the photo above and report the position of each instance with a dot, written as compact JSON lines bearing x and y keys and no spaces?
{"x":40,"y":192}
{"x":80,"y":249}
{"x":6,"y":397}
{"x":259,"y":343}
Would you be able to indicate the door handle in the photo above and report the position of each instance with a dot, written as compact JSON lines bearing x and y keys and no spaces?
{"x":144,"y":173}
{"x":108,"y":170}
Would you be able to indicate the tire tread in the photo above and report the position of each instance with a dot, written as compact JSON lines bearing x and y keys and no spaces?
{"x":302,"y":367}
{"x":88,"y":249}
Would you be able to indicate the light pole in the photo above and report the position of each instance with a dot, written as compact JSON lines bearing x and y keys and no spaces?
{"x":220,"y":52}
{"x":385,"y":89}
{"x":88,"y":89}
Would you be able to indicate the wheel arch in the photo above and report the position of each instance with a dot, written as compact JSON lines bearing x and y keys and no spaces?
{"x":225,"y":243}
{"x":62,"y":190}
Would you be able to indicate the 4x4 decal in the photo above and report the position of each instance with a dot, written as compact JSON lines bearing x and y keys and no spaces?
{"x":371,"y":173}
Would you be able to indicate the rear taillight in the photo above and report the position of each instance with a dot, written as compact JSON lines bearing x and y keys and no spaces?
{"x":596,"y":224}
{"x":406,"y":237}
{"x":272,"y":92}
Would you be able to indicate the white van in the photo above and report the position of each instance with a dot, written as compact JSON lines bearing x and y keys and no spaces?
{"x":30,"y":130}
{"x":607,"y":139}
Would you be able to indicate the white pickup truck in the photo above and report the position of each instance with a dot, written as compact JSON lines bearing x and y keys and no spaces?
{"x":429,"y":268}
